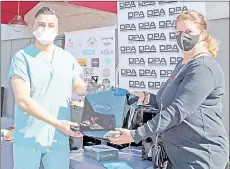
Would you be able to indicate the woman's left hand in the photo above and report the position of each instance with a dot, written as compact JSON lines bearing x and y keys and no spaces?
{"x":124,"y":138}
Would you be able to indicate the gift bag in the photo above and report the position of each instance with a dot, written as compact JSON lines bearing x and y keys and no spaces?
{"x":141,"y":115}
{"x":106,"y":110}
{"x":152,"y":147}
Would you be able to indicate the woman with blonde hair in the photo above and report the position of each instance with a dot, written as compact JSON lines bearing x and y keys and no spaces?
{"x":189,"y":119}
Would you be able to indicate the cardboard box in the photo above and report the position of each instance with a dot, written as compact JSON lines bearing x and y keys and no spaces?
{"x":101,"y":152}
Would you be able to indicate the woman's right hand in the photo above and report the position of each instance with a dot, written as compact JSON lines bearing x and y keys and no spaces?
{"x":141,"y":95}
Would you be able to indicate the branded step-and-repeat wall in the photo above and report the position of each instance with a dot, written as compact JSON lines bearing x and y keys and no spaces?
{"x":94,"y":50}
{"x":148,"y":51}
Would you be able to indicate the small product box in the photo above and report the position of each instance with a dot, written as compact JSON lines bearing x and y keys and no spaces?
{"x":101,"y":152}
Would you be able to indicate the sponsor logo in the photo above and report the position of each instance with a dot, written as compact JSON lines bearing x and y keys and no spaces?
{"x":127,"y":27}
{"x":95,"y":62}
{"x":128,"y":49}
{"x":157,"y":61}
{"x":82,"y":61}
{"x":95,"y":79}
{"x":136,"y":37}
{"x":69,"y":43}
{"x":107,"y":52}
{"x":155,"y":85}
{"x":92,"y":42}
{"x":88,"y":52}
{"x":106,"y":83}
{"x":102,"y":107}
{"x":167,"y":24}
{"x":137,"y":84}
{"x":136,"y":14}
{"x":177,"y":10}
{"x":108,"y":60}
{"x":107,"y":41}
{"x":156,"y":12}
{"x":136,"y":61}
{"x":88,"y":72}
{"x":106,"y":72}
{"x":147,"y":25}
{"x":165,"y":73}
{"x":127,"y":4}
{"x":156,"y":36}
{"x":168,"y":48}
{"x":146,"y":3}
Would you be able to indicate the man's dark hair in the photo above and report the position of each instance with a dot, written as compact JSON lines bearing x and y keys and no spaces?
{"x":45,"y":11}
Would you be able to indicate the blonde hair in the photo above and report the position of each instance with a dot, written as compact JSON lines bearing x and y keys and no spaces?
{"x":196,"y":17}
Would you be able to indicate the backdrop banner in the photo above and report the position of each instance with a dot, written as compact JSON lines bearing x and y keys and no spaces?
{"x":148,"y":51}
{"x":94,"y":50}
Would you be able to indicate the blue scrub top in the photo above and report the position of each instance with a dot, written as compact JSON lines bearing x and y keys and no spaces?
{"x":51,"y":86}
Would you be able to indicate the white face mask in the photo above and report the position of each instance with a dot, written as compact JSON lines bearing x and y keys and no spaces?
{"x":45,"y":36}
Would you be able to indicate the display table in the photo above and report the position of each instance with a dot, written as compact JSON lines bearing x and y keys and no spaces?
{"x":131,"y":155}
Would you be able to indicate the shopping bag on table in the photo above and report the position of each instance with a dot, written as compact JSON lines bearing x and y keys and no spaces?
{"x":152,"y":147}
{"x":106,"y":110}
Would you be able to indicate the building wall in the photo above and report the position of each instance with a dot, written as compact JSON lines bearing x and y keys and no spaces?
{"x":217,"y":10}
{"x":7,"y":33}
{"x":223,"y":59}
{"x":9,"y":48}
{"x":218,"y":16}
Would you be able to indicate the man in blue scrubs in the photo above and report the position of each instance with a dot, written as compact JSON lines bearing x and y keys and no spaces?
{"x":43,"y":77}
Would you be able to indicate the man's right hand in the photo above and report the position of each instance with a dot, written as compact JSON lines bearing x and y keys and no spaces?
{"x":64,"y":126}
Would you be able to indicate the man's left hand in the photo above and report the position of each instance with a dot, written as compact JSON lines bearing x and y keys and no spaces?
{"x":124,"y":138}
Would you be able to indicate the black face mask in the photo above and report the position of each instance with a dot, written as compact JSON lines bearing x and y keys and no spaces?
{"x":187,"y":42}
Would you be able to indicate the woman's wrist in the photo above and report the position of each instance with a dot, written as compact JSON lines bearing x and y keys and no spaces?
{"x":132,"y":133}
{"x":146,"y":98}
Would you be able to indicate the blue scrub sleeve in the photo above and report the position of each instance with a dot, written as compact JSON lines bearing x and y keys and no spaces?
{"x":19,"y":66}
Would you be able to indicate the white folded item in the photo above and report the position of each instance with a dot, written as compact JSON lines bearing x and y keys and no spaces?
{"x":7,"y":134}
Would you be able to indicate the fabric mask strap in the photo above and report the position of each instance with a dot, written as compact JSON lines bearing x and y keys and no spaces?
{"x":203,"y":38}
